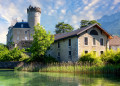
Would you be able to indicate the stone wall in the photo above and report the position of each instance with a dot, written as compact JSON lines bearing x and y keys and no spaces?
{"x":64,"y":49}
{"x":8,"y":65}
{"x":90,"y":47}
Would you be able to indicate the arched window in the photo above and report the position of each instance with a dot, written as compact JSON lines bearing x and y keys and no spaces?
{"x":93,"y":32}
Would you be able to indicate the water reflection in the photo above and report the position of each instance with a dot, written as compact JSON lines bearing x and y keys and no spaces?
{"x":13,"y":78}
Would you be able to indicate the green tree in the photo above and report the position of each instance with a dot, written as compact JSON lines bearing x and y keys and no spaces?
{"x":41,"y":42}
{"x":85,"y":23}
{"x":61,"y":27}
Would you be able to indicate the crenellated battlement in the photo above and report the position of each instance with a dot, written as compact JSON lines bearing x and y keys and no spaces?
{"x":31,"y":8}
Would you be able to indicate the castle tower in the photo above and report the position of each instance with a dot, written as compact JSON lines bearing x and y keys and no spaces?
{"x":34,"y":14}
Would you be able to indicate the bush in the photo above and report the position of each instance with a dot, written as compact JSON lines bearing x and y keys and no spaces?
{"x":50,"y":59}
{"x":3,"y":51}
{"x":90,"y":57}
{"x":24,"y":57}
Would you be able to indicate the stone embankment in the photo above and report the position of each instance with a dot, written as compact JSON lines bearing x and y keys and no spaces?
{"x":8,"y":65}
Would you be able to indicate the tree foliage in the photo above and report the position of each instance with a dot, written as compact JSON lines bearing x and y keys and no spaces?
{"x":85,"y":23}
{"x":61,"y":27}
{"x":41,"y":42}
{"x":12,"y":55}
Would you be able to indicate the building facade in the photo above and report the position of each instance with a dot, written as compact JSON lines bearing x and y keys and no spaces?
{"x":114,"y":43}
{"x":69,"y":46}
{"x":20,"y":33}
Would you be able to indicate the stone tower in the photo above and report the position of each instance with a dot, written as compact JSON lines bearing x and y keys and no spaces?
{"x":34,"y":14}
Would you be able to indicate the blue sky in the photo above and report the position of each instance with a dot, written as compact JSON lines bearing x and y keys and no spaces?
{"x":54,"y":11}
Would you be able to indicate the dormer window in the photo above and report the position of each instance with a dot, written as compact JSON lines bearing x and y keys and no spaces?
{"x":93,"y":32}
{"x":21,"y":25}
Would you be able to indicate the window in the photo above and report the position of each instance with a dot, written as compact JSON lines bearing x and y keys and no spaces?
{"x":21,"y":25}
{"x":93,"y":32}
{"x":25,"y":32}
{"x":94,"y":41}
{"x":58,"y":54}
{"x":69,"y":42}
{"x":101,"y":52}
{"x":17,"y":37}
{"x":58,"y":44}
{"x":101,"y":41}
{"x":25,"y":37}
{"x":86,"y":41}
{"x":86,"y":52}
{"x":69,"y":53}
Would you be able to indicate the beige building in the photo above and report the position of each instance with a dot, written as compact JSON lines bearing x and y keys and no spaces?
{"x":69,"y":46}
{"x":114,"y":43}
{"x":20,"y":33}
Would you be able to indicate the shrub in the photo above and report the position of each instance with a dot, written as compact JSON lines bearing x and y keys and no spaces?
{"x":3,"y":51}
{"x":108,"y":56}
{"x":90,"y":57}
{"x":24,"y":57}
{"x":50,"y":59}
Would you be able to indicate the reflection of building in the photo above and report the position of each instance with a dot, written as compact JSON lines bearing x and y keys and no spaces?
{"x":114,"y":43}
{"x":20,"y":33}
{"x":69,"y":46}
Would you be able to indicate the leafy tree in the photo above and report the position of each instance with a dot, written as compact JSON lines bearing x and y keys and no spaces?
{"x":61,"y":27}
{"x":85,"y":23}
{"x":41,"y":42}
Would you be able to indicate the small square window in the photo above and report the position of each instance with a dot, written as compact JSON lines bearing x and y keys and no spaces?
{"x":86,"y":52}
{"x":101,"y":52}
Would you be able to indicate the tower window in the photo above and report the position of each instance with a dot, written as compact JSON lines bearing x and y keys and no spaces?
{"x":86,"y":41}
{"x":17,"y":37}
{"x":25,"y":37}
{"x":25,"y":32}
{"x":69,"y":42}
{"x":101,"y":41}
{"x":21,"y":25}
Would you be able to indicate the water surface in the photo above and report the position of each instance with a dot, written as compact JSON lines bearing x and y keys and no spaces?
{"x":15,"y":78}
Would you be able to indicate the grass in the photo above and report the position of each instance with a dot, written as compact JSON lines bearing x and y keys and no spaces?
{"x":70,"y":68}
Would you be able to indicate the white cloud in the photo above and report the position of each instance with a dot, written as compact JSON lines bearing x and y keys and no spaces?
{"x":51,"y":12}
{"x":74,"y":19}
{"x":85,"y":1}
{"x":59,"y":3}
{"x":91,"y":5}
{"x":116,"y":2}
{"x":61,"y":17}
{"x":78,"y":9}
{"x":63,"y":11}
{"x":35,"y":3}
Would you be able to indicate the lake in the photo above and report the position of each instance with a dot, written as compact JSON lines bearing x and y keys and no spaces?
{"x":18,"y":78}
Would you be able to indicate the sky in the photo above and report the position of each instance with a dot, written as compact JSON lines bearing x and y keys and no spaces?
{"x":54,"y":11}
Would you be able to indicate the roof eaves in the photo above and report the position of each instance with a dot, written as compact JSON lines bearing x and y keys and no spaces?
{"x":65,"y":37}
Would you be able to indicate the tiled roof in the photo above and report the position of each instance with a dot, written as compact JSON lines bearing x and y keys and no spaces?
{"x":115,"y":41}
{"x":77,"y":32}
{"x":21,"y":25}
